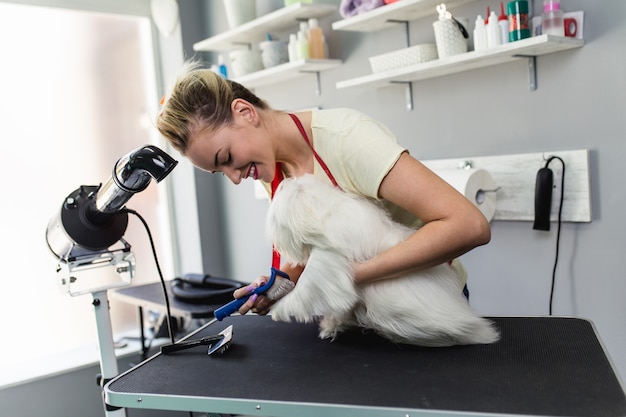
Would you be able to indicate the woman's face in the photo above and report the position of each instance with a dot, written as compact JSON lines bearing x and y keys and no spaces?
{"x":239,"y":151}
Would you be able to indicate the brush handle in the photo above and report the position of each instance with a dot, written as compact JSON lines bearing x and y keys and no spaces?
{"x":232,"y":307}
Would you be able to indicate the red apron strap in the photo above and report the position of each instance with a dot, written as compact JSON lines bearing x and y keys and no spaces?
{"x":317,"y":157}
{"x":278,"y":177}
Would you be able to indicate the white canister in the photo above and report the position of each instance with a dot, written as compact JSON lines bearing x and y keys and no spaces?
{"x":449,"y":38}
{"x":239,"y":12}
{"x":244,"y":61}
{"x":274,"y":53}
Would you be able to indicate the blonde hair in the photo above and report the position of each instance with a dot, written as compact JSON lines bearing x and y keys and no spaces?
{"x":199,"y":97}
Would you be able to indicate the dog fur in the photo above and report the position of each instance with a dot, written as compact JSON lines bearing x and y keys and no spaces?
{"x":315,"y":224}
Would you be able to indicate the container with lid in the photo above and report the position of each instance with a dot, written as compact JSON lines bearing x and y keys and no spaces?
{"x":519,"y":22}
{"x":552,"y":18}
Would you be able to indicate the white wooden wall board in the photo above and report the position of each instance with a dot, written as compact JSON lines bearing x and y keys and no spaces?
{"x":515,"y":176}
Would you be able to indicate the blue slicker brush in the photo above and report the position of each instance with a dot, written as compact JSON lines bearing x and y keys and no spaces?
{"x":275,"y":289}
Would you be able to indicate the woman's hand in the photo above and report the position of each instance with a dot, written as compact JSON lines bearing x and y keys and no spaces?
{"x":260,"y":304}
{"x":257,"y":303}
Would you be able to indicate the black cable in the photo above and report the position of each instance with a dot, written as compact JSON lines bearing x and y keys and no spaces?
{"x":558,"y":230}
{"x":156,"y":261}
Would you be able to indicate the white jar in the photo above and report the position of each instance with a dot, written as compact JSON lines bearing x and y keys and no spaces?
{"x":274,"y":53}
{"x":244,"y":61}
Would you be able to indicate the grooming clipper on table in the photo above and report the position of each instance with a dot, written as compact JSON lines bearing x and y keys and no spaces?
{"x":315,"y":224}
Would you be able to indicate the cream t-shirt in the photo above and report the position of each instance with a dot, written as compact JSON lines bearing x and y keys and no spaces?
{"x":360,"y":152}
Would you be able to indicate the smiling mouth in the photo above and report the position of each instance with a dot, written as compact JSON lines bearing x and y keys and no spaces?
{"x":252,"y":171}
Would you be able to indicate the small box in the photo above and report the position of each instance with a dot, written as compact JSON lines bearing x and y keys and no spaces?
{"x":404,"y":57}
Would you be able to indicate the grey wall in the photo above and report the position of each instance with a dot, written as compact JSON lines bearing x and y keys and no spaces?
{"x":580,"y":104}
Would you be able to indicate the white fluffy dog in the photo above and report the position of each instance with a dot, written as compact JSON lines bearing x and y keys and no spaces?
{"x":315,"y":224}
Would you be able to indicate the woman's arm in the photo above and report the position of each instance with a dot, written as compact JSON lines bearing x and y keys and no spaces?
{"x":452,"y":224}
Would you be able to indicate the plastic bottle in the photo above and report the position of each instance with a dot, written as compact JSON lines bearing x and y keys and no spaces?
{"x":552,"y":18}
{"x":503,"y":21}
{"x":302,"y":46}
{"x":316,"y":40}
{"x":480,"y":34}
{"x":292,"y":47}
{"x":494,"y":37}
{"x":221,"y":66}
{"x":304,"y":28}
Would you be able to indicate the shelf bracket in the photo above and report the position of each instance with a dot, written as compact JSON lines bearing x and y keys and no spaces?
{"x":408,"y":93}
{"x":532,"y":70}
{"x":406,"y":29}
{"x":318,"y":81}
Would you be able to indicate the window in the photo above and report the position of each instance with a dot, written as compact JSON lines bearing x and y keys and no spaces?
{"x":78,"y":92}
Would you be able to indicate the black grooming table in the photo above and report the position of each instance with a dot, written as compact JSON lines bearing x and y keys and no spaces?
{"x":151,"y":296}
{"x":548,"y":366}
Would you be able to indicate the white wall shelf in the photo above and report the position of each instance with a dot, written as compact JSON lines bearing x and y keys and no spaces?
{"x":288,"y":71}
{"x":389,"y":15}
{"x":256,"y":30}
{"x":535,"y":46}
{"x":253,"y":32}
{"x":523,"y":49}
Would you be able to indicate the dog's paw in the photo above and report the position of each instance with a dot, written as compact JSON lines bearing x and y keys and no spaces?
{"x":283,"y":311}
{"x":324,"y":334}
{"x":331,"y":326}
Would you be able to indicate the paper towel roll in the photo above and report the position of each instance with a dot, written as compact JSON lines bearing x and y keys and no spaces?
{"x":475,"y":184}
